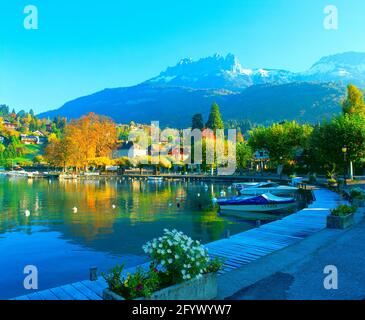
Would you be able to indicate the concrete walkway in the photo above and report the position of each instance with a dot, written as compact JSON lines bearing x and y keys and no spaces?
{"x":297,"y":272}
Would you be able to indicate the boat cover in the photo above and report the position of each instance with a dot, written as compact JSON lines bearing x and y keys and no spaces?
{"x":256,"y":200}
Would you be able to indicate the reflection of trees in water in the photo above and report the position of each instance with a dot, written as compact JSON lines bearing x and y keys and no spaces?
{"x":51,"y":203}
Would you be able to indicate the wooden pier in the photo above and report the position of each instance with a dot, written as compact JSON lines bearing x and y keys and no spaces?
{"x":237,"y":250}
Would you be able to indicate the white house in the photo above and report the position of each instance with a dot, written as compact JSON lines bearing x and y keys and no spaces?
{"x":130,"y":150}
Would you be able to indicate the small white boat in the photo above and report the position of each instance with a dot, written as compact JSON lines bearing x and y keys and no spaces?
{"x":21,"y":173}
{"x":258,"y":188}
{"x":154,"y":178}
{"x":262,"y":203}
{"x":241,"y":185}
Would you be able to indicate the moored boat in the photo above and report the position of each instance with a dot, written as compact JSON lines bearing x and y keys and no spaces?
{"x":22,"y":173}
{"x":262,"y":203}
{"x":154,"y":178}
{"x":242,"y":185}
{"x":259,"y":188}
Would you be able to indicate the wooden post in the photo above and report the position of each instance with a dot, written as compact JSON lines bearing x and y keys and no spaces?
{"x":228,"y":234}
{"x":93,"y":273}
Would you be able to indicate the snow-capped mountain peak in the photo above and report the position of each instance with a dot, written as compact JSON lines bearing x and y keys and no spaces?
{"x":348,"y":64}
{"x":226,"y":72}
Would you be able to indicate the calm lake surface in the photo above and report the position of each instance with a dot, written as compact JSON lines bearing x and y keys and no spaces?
{"x":63,"y":244}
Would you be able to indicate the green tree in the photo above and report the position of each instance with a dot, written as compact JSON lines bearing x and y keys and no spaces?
{"x":244,"y":155}
{"x":328,"y":139}
{"x":354,"y":102}
{"x":197,"y":121}
{"x":283,"y":141}
{"x":215,"y":120}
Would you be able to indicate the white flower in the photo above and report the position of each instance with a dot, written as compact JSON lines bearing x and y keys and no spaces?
{"x":160,"y":245}
{"x":169,"y":261}
{"x":177,"y":256}
{"x":169,"y":251}
{"x":163,"y":262}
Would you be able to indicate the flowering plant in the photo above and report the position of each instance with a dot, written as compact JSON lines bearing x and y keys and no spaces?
{"x":139,"y":284}
{"x":180,"y":257}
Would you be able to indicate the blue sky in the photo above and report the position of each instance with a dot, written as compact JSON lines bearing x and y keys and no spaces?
{"x":85,"y":46}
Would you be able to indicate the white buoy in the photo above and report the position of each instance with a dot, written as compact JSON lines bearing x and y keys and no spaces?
{"x":170,"y":204}
{"x":74,"y":209}
{"x":198,"y":194}
{"x":27,"y":213}
{"x":114,"y":206}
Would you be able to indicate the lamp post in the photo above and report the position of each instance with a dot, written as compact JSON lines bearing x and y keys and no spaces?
{"x":344,"y":151}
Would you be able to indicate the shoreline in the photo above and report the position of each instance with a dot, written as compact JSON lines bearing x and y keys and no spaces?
{"x":145,"y":176}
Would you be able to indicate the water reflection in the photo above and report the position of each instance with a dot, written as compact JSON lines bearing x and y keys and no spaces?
{"x":113,"y":220}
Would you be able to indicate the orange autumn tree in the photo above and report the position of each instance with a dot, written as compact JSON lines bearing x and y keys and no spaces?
{"x":84,"y":140}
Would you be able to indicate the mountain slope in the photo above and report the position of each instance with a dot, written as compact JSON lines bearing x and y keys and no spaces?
{"x":143,"y":103}
{"x":262,"y":95}
{"x":174,"y":106}
{"x":301,"y":101}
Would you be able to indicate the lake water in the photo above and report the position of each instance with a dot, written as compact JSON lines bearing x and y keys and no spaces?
{"x":63,"y":244}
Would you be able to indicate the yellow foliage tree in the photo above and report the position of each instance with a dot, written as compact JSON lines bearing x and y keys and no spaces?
{"x":85,"y":139}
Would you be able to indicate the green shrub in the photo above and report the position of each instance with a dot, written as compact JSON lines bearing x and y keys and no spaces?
{"x":343,"y":210}
{"x":357,"y":193}
{"x":139,"y":284}
{"x":214,"y":265}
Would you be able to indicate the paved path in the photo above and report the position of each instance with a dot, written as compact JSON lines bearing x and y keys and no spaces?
{"x":303,"y":278}
{"x":238,"y":250}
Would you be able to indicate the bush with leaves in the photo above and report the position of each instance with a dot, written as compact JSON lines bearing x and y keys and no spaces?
{"x":357,"y":194}
{"x":139,"y":284}
{"x":343,"y":210}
